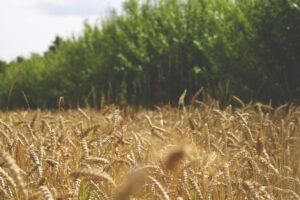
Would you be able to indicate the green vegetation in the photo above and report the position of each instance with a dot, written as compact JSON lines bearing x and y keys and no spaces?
{"x":155,"y":49}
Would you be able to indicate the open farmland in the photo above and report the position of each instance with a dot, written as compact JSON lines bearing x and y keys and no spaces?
{"x":195,"y":152}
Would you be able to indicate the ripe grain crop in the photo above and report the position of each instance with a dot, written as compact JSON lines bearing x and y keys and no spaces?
{"x":196,"y":151}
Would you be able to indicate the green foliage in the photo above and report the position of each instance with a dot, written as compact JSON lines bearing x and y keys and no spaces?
{"x":274,"y":62}
{"x":3,"y":66}
{"x":155,"y":49}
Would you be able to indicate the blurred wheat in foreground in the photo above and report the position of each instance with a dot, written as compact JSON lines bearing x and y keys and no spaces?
{"x":199,"y":152}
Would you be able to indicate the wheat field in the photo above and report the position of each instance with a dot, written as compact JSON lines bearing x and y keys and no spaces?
{"x":192,"y":152}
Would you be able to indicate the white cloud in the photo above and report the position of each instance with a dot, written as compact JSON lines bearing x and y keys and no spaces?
{"x":75,"y":7}
{"x":27,"y":27}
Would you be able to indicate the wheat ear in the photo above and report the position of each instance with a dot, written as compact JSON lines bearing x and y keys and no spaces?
{"x":93,"y":174}
{"x":16,"y":173}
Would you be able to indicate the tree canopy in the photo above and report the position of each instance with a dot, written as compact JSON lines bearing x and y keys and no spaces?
{"x":155,"y":49}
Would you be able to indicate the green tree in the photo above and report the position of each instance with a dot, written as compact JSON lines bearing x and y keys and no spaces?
{"x":3,"y":66}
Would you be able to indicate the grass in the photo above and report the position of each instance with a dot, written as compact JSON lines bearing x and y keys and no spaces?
{"x":192,"y":152}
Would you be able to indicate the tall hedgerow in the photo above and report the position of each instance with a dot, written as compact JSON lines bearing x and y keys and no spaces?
{"x":154,"y":50}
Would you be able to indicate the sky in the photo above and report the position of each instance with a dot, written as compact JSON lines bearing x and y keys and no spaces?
{"x":30,"y":26}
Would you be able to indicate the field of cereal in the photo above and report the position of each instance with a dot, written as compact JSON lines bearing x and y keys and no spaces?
{"x":192,"y":152}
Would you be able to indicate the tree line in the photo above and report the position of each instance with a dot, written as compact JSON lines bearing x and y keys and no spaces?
{"x":155,"y":49}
